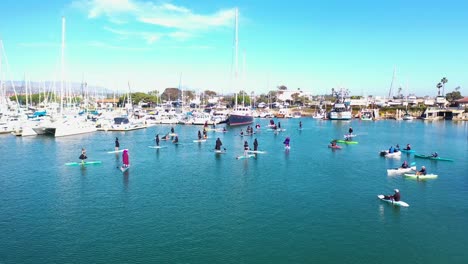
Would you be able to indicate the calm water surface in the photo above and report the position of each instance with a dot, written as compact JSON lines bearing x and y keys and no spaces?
{"x":185,"y":204}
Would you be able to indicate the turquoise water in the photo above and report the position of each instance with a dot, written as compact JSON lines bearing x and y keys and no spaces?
{"x":185,"y":204}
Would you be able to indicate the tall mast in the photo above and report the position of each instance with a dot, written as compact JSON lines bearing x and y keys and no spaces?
{"x":62,"y":65}
{"x":236,"y":45}
{"x":391,"y":84}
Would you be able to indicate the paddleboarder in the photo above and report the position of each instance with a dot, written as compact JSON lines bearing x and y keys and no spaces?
{"x":255,"y":145}
{"x":246,"y":148}
{"x":157,"y":140}
{"x":176,"y":140}
{"x":218,"y":144}
{"x":286,"y":142}
{"x":125,"y":159}
{"x":199,"y":135}
{"x":300,"y":124}
{"x":117,"y":144}
{"x":83,"y":155}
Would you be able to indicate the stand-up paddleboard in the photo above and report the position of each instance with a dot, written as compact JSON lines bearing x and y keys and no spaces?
{"x":217,"y":151}
{"x":199,"y":140}
{"x":420,"y":177}
{"x":246,"y":157}
{"x":124,"y":169}
{"x":399,"y":203}
{"x":157,"y":147}
{"x":172,"y":134}
{"x":350,"y":135}
{"x":257,"y":151}
{"x":287,"y":147}
{"x":116,"y":151}
{"x":83,"y":163}
{"x":345,"y":141}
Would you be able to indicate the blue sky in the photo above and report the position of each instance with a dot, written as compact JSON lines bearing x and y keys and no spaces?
{"x":312,"y":45}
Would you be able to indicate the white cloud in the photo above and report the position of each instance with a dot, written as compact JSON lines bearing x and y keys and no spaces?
{"x":149,"y":37}
{"x":163,"y":15}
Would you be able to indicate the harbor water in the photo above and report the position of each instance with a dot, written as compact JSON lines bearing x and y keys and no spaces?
{"x":185,"y":204}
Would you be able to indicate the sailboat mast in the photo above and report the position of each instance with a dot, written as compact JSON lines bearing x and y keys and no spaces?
{"x":236,"y":56}
{"x":391,"y":84}
{"x":62,"y":65}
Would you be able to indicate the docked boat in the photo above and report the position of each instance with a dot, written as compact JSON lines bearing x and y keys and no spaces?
{"x":340,"y":111}
{"x":240,"y":116}
{"x":123,"y":123}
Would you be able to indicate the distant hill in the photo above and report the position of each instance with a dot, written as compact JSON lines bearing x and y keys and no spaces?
{"x":36,"y":87}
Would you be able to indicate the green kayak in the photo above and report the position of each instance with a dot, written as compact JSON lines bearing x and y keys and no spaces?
{"x":431,"y":157}
{"x":345,"y":141}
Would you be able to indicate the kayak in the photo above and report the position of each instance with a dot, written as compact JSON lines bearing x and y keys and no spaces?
{"x":400,"y":170}
{"x":124,"y":169}
{"x":393,"y":155}
{"x":157,"y":147}
{"x":431,"y":157}
{"x":399,"y":203}
{"x":345,"y":141}
{"x":246,"y":157}
{"x":116,"y":151}
{"x":334,"y":147}
{"x":421,"y":177}
{"x":83,"y":163}
{"x":199,"y":140}
{"x":407,"y":151}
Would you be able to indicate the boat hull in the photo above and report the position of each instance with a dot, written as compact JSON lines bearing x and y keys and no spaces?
{"x":239,"y":120}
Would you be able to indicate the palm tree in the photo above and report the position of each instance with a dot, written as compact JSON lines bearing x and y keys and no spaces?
{"x":443,"y":81}
{"x":439,"y":85}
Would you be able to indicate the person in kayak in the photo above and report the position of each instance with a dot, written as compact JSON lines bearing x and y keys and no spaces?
{"x":333,"y":143}
{"x":156,"y":139}
{"x":246,"y":148}
{"x":272,"y":122}
{"x":255,"y":145}
{"x":125,"y":159}
{"x":408,"y":147}
{"x":397,"y":148}
{"x":117,"y":144}
{"x":199,"y":135}
{"x":422,"y":171}
{"x":435,"y":155}
{"x":395,"y":197}
{"x":218,"y":144}
{"x":257,"y":126}
{"x":391,"y":149}
{"x":405,"y":165}
{"x":83,"y":155}
{"x":224,"y":129}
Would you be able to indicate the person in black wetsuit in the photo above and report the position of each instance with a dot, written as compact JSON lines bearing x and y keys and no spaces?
{"x":350,"y":130}
{"x":218,"y":144}
{"x":117,"y":144}
{"x":172,"y":130}
{"x":176,"y":140}
{"x":300,"y":124}
{"x":255,"y":145}
{"x":83,"y":155}
{"x":157,"y":140}
{"x":395,"y":197}
{"x":199,"y":135}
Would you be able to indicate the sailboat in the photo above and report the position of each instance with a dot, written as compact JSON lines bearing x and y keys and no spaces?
{"x":241,"y":115}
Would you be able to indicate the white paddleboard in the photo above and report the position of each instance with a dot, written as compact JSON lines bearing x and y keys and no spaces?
{"x":157,"y":147}
{"x":199,"y":140}
{"x":124,"y":169}
{"x":116,"y":151}
{"x":257,"y":151}
{"x":245,"y":157}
